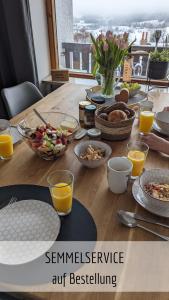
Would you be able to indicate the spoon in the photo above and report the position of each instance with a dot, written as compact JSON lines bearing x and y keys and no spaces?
{"x":131,"y":222}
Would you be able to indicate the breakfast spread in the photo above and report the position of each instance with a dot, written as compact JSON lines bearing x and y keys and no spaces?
{"x":158,"y":190}
{"x":48,"y":141}
{"x":93,"y":153}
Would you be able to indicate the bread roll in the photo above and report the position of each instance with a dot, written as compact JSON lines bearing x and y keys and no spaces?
{"x":104,"y":116}
{"x":123,"y":96}
{"x":117,"y":116}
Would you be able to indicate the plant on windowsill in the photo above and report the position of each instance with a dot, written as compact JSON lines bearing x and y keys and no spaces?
{"x":108,"y":53}
{"x":158,"y":64}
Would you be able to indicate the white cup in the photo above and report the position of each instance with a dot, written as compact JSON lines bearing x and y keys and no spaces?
{"x":118,"y":174}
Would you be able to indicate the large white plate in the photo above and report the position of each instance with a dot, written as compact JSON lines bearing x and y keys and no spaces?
{"x":140,"y":199}
{"x":15,"y":134}
{"x":158,"y":129}
{"x":28,"y":229}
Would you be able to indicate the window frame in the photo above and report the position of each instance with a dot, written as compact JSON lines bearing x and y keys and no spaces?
{"x":54,"y":55}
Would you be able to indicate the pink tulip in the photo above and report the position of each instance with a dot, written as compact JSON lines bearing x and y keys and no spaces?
{"x":109,"y":35}
{"x":101,"y":37}
{"x":105,"y":46}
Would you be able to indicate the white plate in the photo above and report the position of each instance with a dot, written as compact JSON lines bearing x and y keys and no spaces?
{"x":158,"y":129}
{"x":15,"y":134}
{"x":140,"y":199}
{"x":28,"y":229}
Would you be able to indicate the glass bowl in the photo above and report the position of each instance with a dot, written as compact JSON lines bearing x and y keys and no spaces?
{"x":52,"y":140}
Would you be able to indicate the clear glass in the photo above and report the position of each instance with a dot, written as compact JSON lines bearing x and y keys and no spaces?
{"x":137,"y":154}
{"x":109,"y":81}
{"x":61,"y":189}
{"x":6,"y":140}
{"x":146,"y":121}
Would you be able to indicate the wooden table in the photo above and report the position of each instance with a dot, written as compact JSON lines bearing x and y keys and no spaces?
{"x":90,"y":184}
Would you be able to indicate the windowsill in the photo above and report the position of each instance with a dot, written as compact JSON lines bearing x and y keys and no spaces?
{"x":89,"y":82}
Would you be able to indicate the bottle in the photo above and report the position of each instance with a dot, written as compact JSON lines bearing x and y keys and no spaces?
{"x":128,"y":66}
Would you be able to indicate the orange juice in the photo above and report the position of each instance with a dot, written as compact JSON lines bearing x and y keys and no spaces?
{"x":62,"y":197}
{"x":6,"y":146}
{"x":146,"y":121}
{"x":137,"y":157}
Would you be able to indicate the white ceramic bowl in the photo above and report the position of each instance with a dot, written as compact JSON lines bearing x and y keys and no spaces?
{"x":82,"y":146}
{"x":157,"y":176}
{"x":162,"y":119}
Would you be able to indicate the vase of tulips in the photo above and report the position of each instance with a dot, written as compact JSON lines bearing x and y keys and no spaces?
{"x":108,"y":53}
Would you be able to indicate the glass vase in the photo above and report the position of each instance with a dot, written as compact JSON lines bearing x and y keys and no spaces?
{"x":109,"y":81}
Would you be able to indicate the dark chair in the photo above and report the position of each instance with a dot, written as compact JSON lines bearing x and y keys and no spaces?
{"x":19,"y":97}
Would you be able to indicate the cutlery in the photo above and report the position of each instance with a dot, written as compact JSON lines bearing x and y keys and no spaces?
{"x":140,"y":218}
{"x":39,"y":116}
{"x":131,"y":222}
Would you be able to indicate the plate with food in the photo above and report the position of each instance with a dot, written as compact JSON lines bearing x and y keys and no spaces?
{"x":50,"y":140}
{"x":132,"y":87}
{"x":142,"y":200}
{"x":92,"y":154}
{"x":94,"y":95}
{"x":159,"y":130}
{"x":155,"y":187}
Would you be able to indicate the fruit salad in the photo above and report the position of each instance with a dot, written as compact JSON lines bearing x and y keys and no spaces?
{"x":49,"y":142}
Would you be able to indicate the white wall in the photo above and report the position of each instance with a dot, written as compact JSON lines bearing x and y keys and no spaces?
{"x":40,"y":35}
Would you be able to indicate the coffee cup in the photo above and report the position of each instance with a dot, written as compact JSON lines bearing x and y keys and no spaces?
{"x":118,"y":174}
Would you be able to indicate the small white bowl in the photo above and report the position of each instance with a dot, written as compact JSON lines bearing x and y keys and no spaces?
{"x":157,"y":176}
{"x":162,"y":119}
{"x":81,"y":147}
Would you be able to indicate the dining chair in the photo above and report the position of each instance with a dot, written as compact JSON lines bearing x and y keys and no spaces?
{"x":19,"y":97}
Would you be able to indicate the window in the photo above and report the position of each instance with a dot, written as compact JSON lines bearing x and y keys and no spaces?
{"x":76,"y":19}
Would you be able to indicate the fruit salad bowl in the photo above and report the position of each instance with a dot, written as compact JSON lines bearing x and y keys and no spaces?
{"x":51,"y":139}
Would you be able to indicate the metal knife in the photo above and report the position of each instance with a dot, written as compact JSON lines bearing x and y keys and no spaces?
{"x":145,"y":219}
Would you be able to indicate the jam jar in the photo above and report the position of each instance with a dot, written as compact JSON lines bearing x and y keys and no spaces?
{"x":89,"y":116}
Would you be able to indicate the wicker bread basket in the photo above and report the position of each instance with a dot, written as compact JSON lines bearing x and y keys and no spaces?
{"x":115,"y":131}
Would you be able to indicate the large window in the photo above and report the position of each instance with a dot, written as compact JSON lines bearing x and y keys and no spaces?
{"x":76,"y":19}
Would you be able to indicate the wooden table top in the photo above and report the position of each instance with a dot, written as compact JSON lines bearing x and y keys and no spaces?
{"x":90,"y":184}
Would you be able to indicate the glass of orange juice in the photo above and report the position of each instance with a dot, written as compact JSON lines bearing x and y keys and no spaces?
{"x":61,"y":189}
{"x":146,"y":121}
{"x":137,"y":153}
{"x":6,"y":140}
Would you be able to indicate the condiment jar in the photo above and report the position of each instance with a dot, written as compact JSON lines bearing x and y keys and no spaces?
{"x":82,"y":105}
{"x":89,"y":116}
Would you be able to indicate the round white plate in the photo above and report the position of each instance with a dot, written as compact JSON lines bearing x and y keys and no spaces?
{"x":140,"y":199}
{"x":15,"y":134}
{"x":28,"y":229}
{"x":158,"y":129}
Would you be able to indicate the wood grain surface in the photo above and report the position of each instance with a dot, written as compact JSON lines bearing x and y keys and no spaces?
{"x":91,"y":186}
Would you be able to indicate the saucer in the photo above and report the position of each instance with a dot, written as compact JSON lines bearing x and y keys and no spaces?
{"x":140,"y":199}
{"x":158,"y":129}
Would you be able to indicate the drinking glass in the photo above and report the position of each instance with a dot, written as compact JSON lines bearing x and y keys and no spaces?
{"x":137,"y":154}
{"x":146,"y":121}
{"x":6,"y":140}
{"x":61,"y":189}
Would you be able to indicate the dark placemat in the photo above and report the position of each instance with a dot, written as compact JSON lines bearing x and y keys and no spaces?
{"x":77,"y":226}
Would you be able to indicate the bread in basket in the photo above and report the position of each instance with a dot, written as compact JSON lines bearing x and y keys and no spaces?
{"x":118,"y":130}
